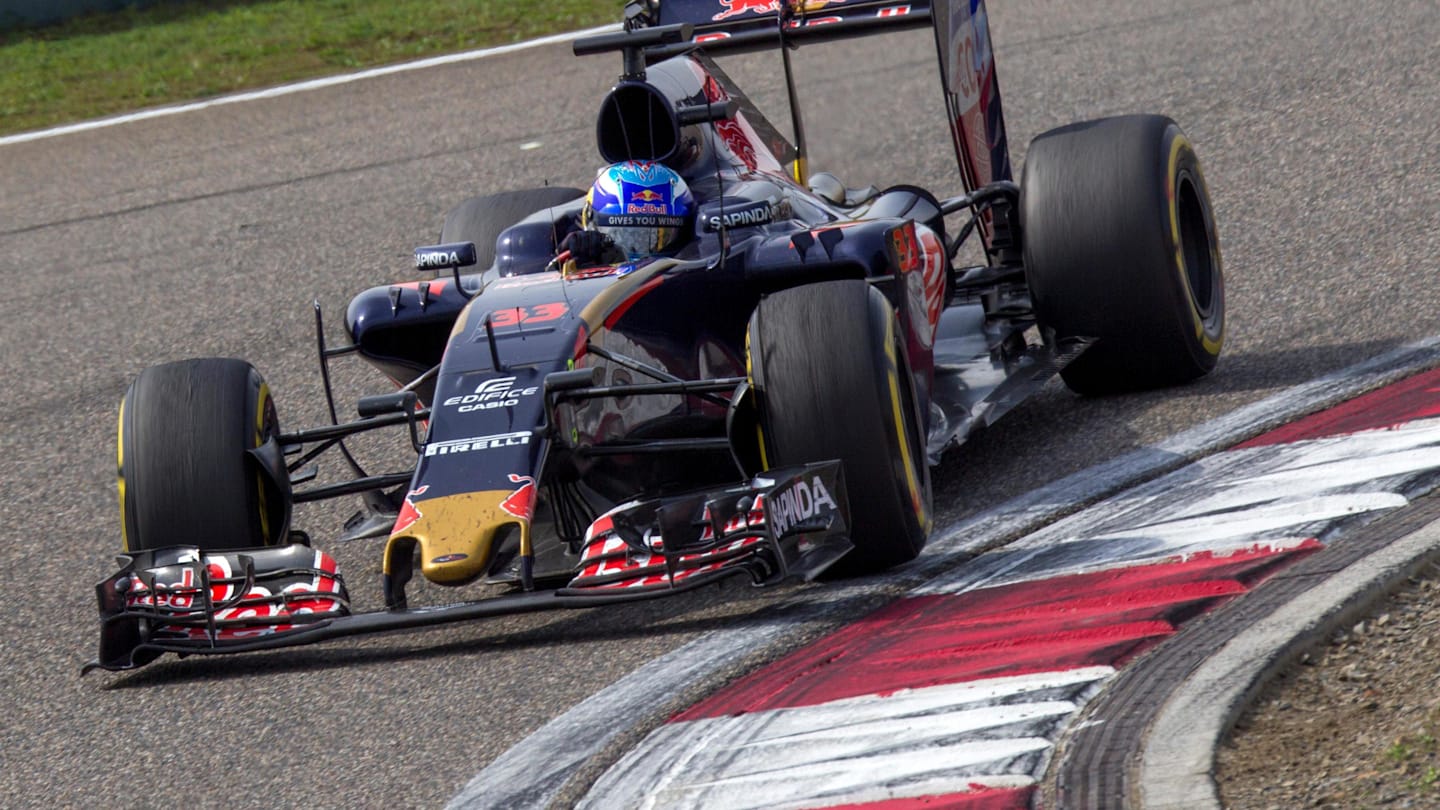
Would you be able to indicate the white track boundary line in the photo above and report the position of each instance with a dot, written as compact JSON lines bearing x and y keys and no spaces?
{"x":536,"y":770}
{"x":301,"y":87}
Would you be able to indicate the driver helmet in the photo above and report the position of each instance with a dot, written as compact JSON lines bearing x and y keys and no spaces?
{"x":643,"y":207}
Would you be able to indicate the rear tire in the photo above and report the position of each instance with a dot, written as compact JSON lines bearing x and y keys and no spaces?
{"x":1120,"y":245}
{"x":481,"y":219}
{"x":185,"y":476}
{"x":832,"y":382}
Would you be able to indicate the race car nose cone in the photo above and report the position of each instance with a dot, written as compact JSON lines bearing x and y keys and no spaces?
{"x":456,"y":534}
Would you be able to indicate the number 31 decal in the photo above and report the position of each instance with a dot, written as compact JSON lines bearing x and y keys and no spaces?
{"x":516,"y":316}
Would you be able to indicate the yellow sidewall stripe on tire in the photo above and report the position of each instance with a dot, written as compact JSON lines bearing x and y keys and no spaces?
{"x":259,"y":476}
{"x":892,"y":374}
{"x":1172,"y":195}
{"x":120,"y":474}
{"x":750,"y":374}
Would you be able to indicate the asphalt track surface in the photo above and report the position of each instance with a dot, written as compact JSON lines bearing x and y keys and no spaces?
{"x":209,"y":233}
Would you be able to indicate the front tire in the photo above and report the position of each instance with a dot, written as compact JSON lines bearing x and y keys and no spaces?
{"x":1120,"y":246}
{"x":186,"y":473}
{"x":832,"y":382}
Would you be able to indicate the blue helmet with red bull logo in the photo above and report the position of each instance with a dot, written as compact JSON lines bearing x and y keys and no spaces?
{"x":643,"y":207}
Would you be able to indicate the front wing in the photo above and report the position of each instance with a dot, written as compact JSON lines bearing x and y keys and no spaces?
{"x":792,"y":522}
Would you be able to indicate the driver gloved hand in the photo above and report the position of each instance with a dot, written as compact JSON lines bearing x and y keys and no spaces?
{"x":587,"y":248}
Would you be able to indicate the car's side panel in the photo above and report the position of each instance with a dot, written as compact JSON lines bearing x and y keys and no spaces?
{"x":402,"y":328}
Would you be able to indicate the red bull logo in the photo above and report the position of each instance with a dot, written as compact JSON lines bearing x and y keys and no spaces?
{"x":734,"y":8}
{"x":408,"y":513}
{"x":521,"y":502}
{"x":646,"y":199}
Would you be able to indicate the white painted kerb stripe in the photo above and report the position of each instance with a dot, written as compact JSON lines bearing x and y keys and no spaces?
{"x":915,"y":742}
{"x":300,"y":87}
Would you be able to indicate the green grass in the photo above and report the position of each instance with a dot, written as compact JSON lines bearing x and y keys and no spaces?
{"x":1413,"y":761}
{"x":110,"y":63}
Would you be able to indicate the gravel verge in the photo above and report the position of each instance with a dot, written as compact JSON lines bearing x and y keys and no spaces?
{"x":1354,"y":723}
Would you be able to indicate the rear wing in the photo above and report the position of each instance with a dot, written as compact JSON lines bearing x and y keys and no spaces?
{"x":729,"y":26}
{"x":962,"y":38}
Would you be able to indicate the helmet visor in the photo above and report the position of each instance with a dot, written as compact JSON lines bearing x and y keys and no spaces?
{"x":640,"y":236}
{"x":640,"y":243}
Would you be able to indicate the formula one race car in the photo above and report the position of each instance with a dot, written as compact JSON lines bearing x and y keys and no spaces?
{"x":766,"y":400}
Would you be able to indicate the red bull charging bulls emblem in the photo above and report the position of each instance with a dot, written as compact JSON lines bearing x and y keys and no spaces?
{"x":521,"y":502}
{"x":646,"y":199}
{"x":408,"y":513}
{"x":734,"y":8}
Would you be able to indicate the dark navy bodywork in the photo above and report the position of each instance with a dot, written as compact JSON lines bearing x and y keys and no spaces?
{"x":683,"y":316}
